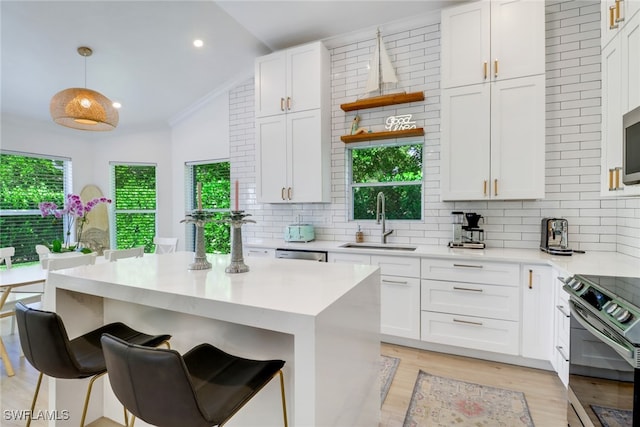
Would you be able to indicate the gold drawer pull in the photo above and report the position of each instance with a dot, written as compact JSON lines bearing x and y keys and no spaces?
{"x":289,"y":103}
{"x":495,"y":187}
{"x":530,"y":279}
{"x":617,"y":175}
{"x":618,"y":17}
{"x":485,"y":66}
{"x":289,"y":191}
{"x":612,"y":24}
{"x":484,"y":188}
{"x":281,"y":104}
{"x":282,"y":193}
{"x":495,"y":68}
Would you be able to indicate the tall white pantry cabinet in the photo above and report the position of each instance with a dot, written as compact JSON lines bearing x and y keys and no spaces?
{"x":493,"y":101}
{"x":293,"y":125}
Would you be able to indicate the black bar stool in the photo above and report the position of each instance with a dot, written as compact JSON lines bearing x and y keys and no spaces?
{"x":205,"y":387}
{"x":47,"y":347}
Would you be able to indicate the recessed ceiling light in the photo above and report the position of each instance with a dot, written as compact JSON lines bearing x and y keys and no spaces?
{"x":198,"y":43}
{"x":116,"y":105}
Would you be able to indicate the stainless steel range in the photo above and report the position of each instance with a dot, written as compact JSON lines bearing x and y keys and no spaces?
{"x":604,"y":374}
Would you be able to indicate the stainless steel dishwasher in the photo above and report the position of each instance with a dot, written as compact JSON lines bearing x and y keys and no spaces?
{"x":302,"y":254}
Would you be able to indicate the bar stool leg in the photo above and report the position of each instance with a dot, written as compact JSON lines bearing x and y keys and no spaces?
{"x":35,"y":397}
{"x":5,"y":359}
{"x":284,"y":403}
{"x":86,"y":399}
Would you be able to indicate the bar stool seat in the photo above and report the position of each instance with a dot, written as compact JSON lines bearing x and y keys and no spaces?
{"x":47,"y":347}
{"x":205,"y":387}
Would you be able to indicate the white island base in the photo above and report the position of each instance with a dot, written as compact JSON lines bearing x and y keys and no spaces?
{"x":322,"y":319}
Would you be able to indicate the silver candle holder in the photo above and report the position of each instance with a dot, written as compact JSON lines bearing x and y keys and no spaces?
{"x":236,"y":220}
{"x":199,"y":218}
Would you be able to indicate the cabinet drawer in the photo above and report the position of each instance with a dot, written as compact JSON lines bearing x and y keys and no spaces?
{"x":471,"y":299}
{"x":400,"y":306}
{"x":349,"y":258}
{"x":499,"y":336}
{"x":563,"y":321}
{"x":397,"y":266}
{"x":469,"y":271}
{"x":260,"y":252}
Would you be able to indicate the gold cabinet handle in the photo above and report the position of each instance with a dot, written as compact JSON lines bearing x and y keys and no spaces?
{"x":618,"y":17}
{"x":617,"y":176}
{"x":484,"y":188}
{"x":495,"y":68}
{"x":467,"y":322}
{"x":611,"y":179}
{"x":289,"y":103}
{"x":281,"y":104}
{"x":495,"y":187}
{"x":485,"y":66}
{"x":289,"y":191}
{"x":612,"y":24}
{"x":282,"y":193}
{"x":530,"y":279}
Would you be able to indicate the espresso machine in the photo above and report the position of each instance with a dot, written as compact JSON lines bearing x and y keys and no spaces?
{"x":469,"y":235}
{"x":554,"y":236}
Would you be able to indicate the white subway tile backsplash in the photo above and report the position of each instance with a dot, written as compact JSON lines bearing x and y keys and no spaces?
{"x":573,"y":102}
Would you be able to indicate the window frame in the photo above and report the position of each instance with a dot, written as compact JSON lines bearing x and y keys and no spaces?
{"x":113,"y":231}
{"x":349,"y":185}
{"x":190,"y":196}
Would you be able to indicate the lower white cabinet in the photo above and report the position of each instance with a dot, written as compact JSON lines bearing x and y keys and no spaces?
{"x":500,"y":336}
{"x":399,"y":291}
{"x":471,"y":304}
{"x":561,"y":330}
{"x":537,"y":314}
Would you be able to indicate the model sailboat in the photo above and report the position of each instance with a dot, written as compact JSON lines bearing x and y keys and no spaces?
{"x":381,"y":71}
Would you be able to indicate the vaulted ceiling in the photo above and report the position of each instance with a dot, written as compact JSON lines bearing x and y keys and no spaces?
{"x":143,"y":54}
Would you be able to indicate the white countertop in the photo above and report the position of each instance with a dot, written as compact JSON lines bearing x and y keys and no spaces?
{"x":295,"y":287}
{"x":592,"y":262}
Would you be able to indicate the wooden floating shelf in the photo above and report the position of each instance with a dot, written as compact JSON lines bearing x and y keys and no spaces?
{"x":381,"y":101}
{"x":382,"y":135}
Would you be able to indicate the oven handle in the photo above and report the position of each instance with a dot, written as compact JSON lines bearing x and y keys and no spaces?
{"x":623,"y":351}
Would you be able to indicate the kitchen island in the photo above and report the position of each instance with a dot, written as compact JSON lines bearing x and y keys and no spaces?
{"x":322,"y":319}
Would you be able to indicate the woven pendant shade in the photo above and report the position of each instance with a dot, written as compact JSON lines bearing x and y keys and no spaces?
{"x":83,"y":109}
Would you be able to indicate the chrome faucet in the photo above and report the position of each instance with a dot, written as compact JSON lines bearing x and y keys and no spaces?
{"x":380,"y":216}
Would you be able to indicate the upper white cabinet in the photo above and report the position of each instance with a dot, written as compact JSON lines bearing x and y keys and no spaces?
{"x":292,"y":80}
{"x":492,"y":40}
{"x":620,"y":94}
{"x":293,"y":126}
{"x":493,"y":105}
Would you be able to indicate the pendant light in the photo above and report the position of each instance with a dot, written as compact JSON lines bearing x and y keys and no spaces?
{"x":82,"y":108}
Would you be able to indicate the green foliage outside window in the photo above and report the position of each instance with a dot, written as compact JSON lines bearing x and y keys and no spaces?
{"x":216,"y":197}
{"x":135,"y":206}
{"x":395,"y":171}
{"x":25,"y":182}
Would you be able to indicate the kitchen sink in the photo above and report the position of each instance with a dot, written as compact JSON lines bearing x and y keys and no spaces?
{"x":383,"y":246}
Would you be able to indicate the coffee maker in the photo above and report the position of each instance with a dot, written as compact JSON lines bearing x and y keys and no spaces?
{"x":469,"y":235}
{"x":554,"y":236}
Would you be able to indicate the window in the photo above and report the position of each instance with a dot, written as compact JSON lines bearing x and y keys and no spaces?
{"x":135,"y":195}
{"x":396,"y":171}
{"x":26,"y":180}
{"x":215,"y":178}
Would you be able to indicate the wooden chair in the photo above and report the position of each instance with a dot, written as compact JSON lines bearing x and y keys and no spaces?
{"x":73,"y":259}
{"x":165,"y":245}
{"x":6,"y":254}
{"x":116,"y":254}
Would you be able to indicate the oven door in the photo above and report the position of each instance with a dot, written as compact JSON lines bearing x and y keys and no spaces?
{"x":601,"y":379}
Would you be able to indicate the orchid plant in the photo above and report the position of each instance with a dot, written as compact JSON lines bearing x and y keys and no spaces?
{"x":74,"y":212}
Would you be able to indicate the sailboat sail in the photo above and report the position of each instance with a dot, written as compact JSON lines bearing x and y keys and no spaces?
{"x":381,"y":71}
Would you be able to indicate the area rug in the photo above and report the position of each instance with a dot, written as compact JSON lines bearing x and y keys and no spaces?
{"x":611,"y":417}
{"x":388,"y":367}
{"x":439,"y":401}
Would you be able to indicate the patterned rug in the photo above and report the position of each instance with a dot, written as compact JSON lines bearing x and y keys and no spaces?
{"x":439,"y":401}
{"x":388,"y":367}
{"x":611,"y":417}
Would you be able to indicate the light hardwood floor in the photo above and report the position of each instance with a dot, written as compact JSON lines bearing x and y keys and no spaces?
{"x":544,"y":391}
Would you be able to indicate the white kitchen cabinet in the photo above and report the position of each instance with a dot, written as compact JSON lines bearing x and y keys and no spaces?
{"x":492,"y":40}
{"x":614,"y":16}
{"x":292,"y":80}
{"x":293,"y":158}
{"x":471,"y":304}
{"x":399,"y":291}
{"x":293,"y":126}
{"x":537,"y":312}
{"x":493,"y":101}
{"x":562,"y":328}
{"x":399,"y":295}
{"x":493,"y":140}
{"x":620,"y":94}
